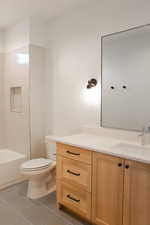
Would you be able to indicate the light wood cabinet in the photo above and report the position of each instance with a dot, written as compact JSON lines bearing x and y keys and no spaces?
{"x":104,"y":189}
{"x":74,"y":153}
{"x":136,"y":194}
{"x":78,"y":200}
{"x":74,"y":172}
{"x":74,"y":175}
{"x":107,"y":196}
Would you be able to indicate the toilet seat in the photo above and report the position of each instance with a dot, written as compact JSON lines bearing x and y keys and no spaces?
{"x":36,"y":164}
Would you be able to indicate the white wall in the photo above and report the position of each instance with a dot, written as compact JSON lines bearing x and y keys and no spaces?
{"x":1,"y":103}
{"x":1,"y":91}
{"x":37,"y":100}
{"x":38,"y":31}
{"x":1,"y":40}
{"x":17,"y":36}
{"x":74,"y":57}
{"x":38,"y":36}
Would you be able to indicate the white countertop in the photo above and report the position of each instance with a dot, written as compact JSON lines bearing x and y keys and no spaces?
{"x":108,"y":145}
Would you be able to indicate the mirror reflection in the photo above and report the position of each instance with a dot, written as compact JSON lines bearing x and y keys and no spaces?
{"x":126,"y":79}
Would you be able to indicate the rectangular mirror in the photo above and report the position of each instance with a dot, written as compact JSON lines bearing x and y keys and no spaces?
{"x":126,"y":79}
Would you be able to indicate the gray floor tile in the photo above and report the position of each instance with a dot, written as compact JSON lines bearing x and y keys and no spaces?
{"x":17,"y":201}
{"x":70,"y":217}
{"x":8,"y":216}
{"x":50,"y":202}
{"x":41,"y":215}
{"x":19,"y":189}
{"x":23,"y":211}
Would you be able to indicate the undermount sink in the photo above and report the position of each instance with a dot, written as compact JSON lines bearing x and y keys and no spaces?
{"x":130,"y":147}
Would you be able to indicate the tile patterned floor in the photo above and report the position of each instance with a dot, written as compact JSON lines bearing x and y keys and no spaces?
{"x":17,"y":209}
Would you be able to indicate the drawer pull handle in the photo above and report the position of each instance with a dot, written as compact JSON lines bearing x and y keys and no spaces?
{"x":75,"y":174}
{"x":73,"y":199}
{"x":119,"y":164}
{"x":72,"y":153}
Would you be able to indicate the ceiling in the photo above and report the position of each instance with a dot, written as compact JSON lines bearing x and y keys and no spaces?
{"x":11,"y":11}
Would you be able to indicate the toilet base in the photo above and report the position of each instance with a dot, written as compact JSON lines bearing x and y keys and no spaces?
{"x":37,"y":189}
{"x":41,"y":182}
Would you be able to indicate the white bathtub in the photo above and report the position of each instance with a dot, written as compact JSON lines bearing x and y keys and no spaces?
{"x":10,"y":167}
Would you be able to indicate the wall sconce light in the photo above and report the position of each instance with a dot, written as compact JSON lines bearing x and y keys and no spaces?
{"x":91,"y":83}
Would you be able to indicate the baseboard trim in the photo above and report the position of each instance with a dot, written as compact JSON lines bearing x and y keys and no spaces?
{"x":2,"y":187}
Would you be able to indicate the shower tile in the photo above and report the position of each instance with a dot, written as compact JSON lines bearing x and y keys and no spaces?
{"x":16,"y":99}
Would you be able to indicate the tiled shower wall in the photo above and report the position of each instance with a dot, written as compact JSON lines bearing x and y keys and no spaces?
{"x":22,"y":128}
{"x":16,"y":74}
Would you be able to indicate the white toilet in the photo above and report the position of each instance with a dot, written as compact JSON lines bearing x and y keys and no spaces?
{"x":41,"y":172}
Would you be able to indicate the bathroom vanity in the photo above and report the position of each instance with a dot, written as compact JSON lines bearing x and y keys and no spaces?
{"x":105,"y":181}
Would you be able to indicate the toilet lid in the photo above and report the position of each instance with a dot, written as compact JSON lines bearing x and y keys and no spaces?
{"x":36,"y":164}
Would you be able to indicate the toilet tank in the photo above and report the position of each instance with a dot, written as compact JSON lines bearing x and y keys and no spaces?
{"x":50,"y":147}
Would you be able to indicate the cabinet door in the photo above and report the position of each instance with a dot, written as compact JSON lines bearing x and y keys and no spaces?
{"x":107,"y":195}
{"x":137,"y":194}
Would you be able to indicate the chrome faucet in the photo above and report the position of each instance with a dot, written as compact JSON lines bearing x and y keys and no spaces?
{"x":145,"y":130}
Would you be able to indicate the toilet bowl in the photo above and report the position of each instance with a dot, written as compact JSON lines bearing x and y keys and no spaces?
{"x":41,"y":173}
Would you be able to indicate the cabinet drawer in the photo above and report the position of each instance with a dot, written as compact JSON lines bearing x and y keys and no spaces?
{"x":74,"y":153}
{"x":77,"y":200}
{"x":76,"y":173}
